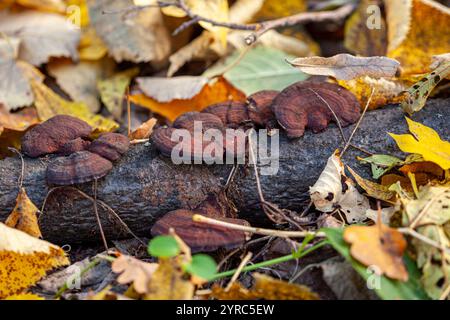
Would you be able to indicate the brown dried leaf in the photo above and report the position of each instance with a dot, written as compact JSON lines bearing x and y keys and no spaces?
{"x":266,"y":288}
{"x":379,"y":246}
{"x":144,"y":131}
{"x":134,"y":271}
{"x":345,"y":66}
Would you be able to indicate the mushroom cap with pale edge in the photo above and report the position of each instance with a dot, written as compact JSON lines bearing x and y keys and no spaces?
{"x":259,"y":107}
{"x":232,"y":113}
{"x":307,"y":105}
{"x":52,"y":134}
{"x":200,"y":237}
{"x":79,"y":167}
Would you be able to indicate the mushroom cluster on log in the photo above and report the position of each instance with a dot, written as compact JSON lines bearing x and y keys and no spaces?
{"x":144,"y":185}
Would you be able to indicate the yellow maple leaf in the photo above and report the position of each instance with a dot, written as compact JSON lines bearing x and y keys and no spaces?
{"x":24,"y":215}
{"x":49,"y":104}
{"x":426,"y":142}
{"x":424,"y":31}
{"x":218,"y":91}
{"x":25,"y":260}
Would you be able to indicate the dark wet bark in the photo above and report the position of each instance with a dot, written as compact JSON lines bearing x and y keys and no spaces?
{"x":143,"y":185}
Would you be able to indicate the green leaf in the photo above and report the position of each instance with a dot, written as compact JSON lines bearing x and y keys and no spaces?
{"x":381,"y":163}
{"x":389,"y":289}
{"x":202,"y":266}
{"x":262,"y":68}
{"x":163,"y":247}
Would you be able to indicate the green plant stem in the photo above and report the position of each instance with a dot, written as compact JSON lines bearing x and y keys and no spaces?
{"x":292,"y":256}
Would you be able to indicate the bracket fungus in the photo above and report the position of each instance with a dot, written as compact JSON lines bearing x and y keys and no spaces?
{"x":52,"y":134}
{"x":232,"y":113}
{"x":110,"y":145}
{"x":299,"y":106}
{"x":200,"y":236}
{"x":259,"y":107}
{"x":79,"y":167}
{"x":208,"y":121}
{"x":72,"y":146}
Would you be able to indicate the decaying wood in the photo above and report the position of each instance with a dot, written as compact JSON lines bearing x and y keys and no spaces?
{"x":143,"y":185}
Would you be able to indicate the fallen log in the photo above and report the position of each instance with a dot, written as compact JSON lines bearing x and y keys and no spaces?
{"x":144,"y":185}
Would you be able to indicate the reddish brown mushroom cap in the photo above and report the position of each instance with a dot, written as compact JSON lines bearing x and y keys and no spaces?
{"x":50,"y":135}
{"x":200,"y":236}
{"x":74,"y":145}
{"x":259,"y":107}
{"x":162,"y":138}
{"x":110,"y":145}
{"x":207,"y":120}
{"x":232,"y":113}
{"x":79,"y":167}
{"x":298,"y":107}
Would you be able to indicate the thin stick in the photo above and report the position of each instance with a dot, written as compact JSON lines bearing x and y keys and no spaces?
{"x":338,"y":122}
{"x":424,"y":210}
{"x":22,"y":173}
{"x":424,"y":239}
{"x":128,"y":111}
{"x":97,"y":216}
{"x":241,"y":266}
{"x":300,"y":18}
{"x":271,"y":262}
{"x":262,"y":231}
{"x":104,"y":205}
{"x":358,"y":123}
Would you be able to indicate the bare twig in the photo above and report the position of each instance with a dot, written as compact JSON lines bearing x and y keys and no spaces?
{"x":258,"y":28}
{"x":241,"y":266}
{"x":424,"y":239}
{"x":336,"y":118}
{"x":102,"y":233}
{"x":300,"y":18}
{"x":262,"y":231}
{"x":22,"y":172}
{"x":358,"y":123}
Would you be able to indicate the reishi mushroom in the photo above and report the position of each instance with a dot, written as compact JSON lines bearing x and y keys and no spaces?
{"x":110,"y":145}
{"x":200,"y":236}
{"x":208,"y":121}
{"x":259,"y":107}
{"x":52,"y":134}
{"x":78,"y":144}
{"x":232,"y":113}
{"x":298,"y":107}
{"x":79,"y":167}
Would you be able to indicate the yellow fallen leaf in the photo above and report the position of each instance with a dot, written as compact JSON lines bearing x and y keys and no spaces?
{"x":423,"y":32}
{"x":373,"y":189}
{"x":49,"y":104}
{"x":25,"y":260}
{"x":426,"y":142}
{"x":25,"y":296}
{"x":168,"y":283}
{"x":386,"y":91}
{"x":44,"y":5}
{"x":78,"y":10}
{"x":266,"y":288}
{"x":379,"y":246}
{"x":91,"y":46}
{"x":112,"y":90}
{"x":273,"y":9}
{"x":24,"y":216}
{"x":79,"y":80}
{"x":217,"y":9}
{"x":218,"y":91}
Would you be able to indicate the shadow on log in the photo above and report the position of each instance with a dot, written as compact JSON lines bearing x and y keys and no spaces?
{"x":143,"y":185}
